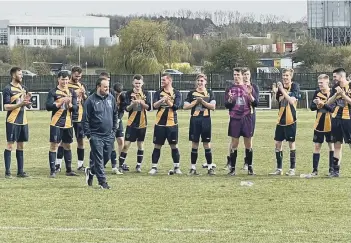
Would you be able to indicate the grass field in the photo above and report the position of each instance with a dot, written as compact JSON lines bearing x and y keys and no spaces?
{"x":162,"y":208}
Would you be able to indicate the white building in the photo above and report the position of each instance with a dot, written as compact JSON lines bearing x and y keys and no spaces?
{"x":53,"y":31}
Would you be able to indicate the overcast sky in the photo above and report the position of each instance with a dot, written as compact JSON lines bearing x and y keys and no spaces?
{"x":292,"y":10}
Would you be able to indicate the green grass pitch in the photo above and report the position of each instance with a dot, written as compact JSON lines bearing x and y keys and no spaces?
{"x":162,"y":208}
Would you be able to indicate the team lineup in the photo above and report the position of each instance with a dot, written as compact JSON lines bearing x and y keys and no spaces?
{"x":97,"y":116}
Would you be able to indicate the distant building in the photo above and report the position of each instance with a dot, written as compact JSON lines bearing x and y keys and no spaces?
{"x":53,"y":31}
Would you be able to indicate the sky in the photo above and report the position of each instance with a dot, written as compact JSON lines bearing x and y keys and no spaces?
{"x":292,"y":10}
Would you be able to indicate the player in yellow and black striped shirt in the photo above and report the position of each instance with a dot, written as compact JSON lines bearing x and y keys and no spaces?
{"x":287,"y":96}
{"x":81,"y":91}
{"x":62,"y":102}
{"x":340,"y":98}
{"x":137,"y":103}
{"x":200,"y":101}
{"x":322,"y":125}
{"x":15,"y":98}
{"x":166,"y":101}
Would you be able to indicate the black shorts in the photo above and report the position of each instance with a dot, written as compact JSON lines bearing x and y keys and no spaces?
{"x":58,"y":135}
{"x":200,"y":126}
{"x":287,"y":133}
{"x":318,"y":137}
{"x":341,"y":130}
{"x":78,"y":130}
{"x":134,"y":134}
{"x":161,"y":133}
{"x":16,"y":133}
{"x":120,"y":132}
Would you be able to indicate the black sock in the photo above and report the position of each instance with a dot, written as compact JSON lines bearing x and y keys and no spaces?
{"x":67,"y":154}
{"x":80,"y":153}
{"x":140,"y":156}
{"x":122,"y":158}
{"x":292,"y":159}
{"x":336,"y":166}
{"x":60,"y":152}
{"x":7,"y":159}
{"x":19,"y":157}
{"x":113,"y":159}
{"x":248,"y":157}
{"x":331,"y":160}
{"x":208,"y":156}
{"x":52,"y":160}
{"x":279,"y":157}
{"x":315,"y":161}
{"x":233,"y":156}
{"x":193,"y":156}
{"x":228,"y":160}
{"x":156,"y":155}
{"x":175,"y":156}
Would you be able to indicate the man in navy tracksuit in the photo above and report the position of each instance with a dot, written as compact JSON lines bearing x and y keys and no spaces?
{"x":100,"y":125}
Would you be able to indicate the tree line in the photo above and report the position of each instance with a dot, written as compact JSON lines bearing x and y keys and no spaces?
{"x":318,"y":57}
{"x":223,"y":24}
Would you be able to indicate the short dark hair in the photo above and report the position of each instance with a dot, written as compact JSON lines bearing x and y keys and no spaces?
{"x":245,"y":69}
{"x":77,"y":69}
{"x":99,"y":81}
{"x":239,"y":70}
{"x":104,"y":74}
{"x":339,"y":71}
{"x":118,"y":87}
{"x":138,"y":77}
{"x":14,"y":70}
{"x":63,"y":74}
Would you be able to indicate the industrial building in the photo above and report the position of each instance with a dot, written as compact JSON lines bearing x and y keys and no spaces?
{"x":53,"y":31}
{"x":329,"y":21}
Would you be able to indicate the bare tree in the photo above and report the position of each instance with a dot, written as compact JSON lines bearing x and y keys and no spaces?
{"x":189,"y":14}
{"x":197,"y":14}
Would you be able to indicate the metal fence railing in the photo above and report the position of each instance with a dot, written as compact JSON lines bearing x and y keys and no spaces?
{"x":266,"y":99}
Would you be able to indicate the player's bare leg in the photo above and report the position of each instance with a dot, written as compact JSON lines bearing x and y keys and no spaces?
{"x":120,"y":144}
